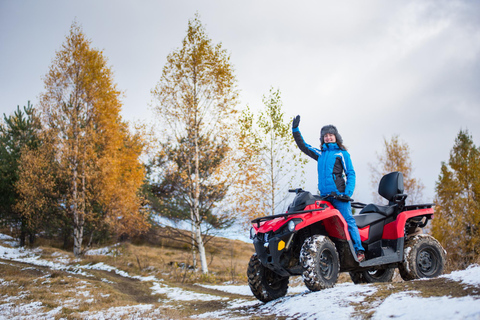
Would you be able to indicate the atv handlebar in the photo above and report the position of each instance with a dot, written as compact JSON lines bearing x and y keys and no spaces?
{"x":296,"y":191}
{"x":340,"y":197}
{"x":334,"y":195}
{"x":285,"y":215}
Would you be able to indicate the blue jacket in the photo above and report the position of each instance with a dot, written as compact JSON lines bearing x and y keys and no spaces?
{"x":333,"y":164}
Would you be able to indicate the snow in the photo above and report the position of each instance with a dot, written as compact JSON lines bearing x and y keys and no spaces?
{"x":178,"y":294}
{"x":468,"y":276}
{"x":130,"y":312}
{"x":335,"y":303}
{"x":339,"y":302}
{"x":403,"y":306}
{"x":235,"y":232}
{"x":245,"y":290}
{"x":5,"y":237}
{"x":241,"y":290}
{"x":107,"y":251}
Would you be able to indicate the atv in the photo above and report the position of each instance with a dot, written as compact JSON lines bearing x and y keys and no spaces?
{"x":311,"y":239}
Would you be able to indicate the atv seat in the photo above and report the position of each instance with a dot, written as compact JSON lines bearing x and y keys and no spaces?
{"x":367,"y":219}
{"x":391,"y":188}
{"x":384,"y":210}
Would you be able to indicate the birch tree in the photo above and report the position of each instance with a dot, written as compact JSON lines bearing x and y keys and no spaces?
{"x":195,"y":102}
{"x":273,"y":153}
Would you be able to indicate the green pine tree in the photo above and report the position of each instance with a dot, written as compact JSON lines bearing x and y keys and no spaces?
{"x":457,"y":220}
{"x":18,"y":132}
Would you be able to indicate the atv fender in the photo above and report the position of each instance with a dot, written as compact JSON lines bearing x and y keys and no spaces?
{"x":333,"y":220}
{"x":396,"y":228}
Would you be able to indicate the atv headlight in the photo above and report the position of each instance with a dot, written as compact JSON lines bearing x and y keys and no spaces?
{"x":291,"y":226}
{"x":252,"y":233}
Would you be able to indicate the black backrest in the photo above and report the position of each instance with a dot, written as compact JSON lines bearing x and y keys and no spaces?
{"x":390,"y":185}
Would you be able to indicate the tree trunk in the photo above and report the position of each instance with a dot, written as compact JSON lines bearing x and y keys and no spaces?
{"x":201,"y":248}
{"x":23,"y":232}
{"x":196,"y":203}
{"x":77,"y":236}
{"x":194,"y":246}
{"x":77,"y":226}
{"x":197,"y":218}
{"x":77,"y":208}
{"x":31,"y":238}
{"x":23,"y":238}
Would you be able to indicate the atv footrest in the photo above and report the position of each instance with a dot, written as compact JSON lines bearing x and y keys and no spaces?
{"x":391,"y":258}
{"x":389,"y":253}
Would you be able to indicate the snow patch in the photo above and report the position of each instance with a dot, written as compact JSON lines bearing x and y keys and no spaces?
{"x":335,"y":303}
{"x":470,"y":276}
{"x":235,"y":232}
{"x":178,"y":294}
{"x":105,"y":267}
{"x":226,"y":313}
{"x":127,"y":312}
{"x":5,"y":237}
{"x":27,"y":311}
{"x":241,"y":290}
{"x":107,"y":251}
{"x":404,"y":306}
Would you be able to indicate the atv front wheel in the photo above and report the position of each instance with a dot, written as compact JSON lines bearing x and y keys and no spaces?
{"x":423,"y":257}
{"x":265,"y":284}
{"x":380,"y":275}
{"x":319,"y":258}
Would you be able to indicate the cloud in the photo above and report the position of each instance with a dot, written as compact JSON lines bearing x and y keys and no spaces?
{"x":372,"y":68}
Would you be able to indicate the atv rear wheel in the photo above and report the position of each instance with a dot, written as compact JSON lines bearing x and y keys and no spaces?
{"x":265,"y":284}
{"x":423,"y":257}
{"x":320,"y":261}
{"x":380,"y":275}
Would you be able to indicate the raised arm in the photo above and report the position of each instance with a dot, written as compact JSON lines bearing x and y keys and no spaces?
{"x":302,"y":145}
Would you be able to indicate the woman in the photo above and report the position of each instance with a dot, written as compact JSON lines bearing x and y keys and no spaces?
{"x":333,"y":160}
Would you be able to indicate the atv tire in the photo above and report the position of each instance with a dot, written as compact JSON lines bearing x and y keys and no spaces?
{"x":319,"y":259}
{"x":265,"y":284}
{"x":380,"y":275}
{"x":423,"y":257}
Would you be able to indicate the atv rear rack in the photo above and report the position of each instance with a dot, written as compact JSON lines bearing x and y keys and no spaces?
{"x":286,"y":215}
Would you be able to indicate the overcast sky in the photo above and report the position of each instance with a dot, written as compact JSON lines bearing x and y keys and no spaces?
{"x":372,"y":68}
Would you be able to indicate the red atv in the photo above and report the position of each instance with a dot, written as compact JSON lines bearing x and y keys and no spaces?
{"x":311,"y":239}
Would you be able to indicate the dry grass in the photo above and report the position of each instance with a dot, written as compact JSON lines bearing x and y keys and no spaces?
{"x":174,"y":264}
{"x":73,"y":296}
{"x":227,"y":259}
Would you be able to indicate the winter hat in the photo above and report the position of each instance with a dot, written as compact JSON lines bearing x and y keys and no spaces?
{"x":330,"y":129}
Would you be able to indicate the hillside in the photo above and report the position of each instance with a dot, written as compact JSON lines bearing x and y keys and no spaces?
{"x":146,"y":281}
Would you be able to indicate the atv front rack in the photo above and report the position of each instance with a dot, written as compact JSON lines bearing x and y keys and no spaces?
{"x":286,"y":215}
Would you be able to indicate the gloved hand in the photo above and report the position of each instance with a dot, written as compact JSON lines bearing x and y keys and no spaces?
{"x":296,"y":122}
{"x":344,"y":198}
